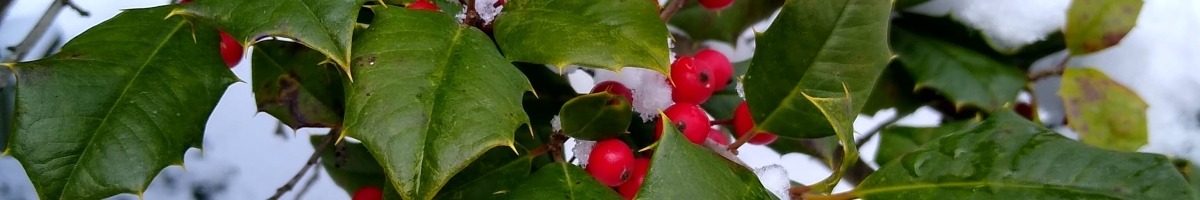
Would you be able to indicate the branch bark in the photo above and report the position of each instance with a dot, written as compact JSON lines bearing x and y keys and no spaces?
{"x":327,"y":141}
{"x":34,"y":35}
{"x":671,"y":9}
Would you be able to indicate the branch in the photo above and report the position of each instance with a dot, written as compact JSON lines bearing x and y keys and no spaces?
{"x":328,"y":140}
{"x":859,"y":143}
{"x":77,"y":8}
{"x":555,"y":146}
{"x":472,"y":16}
{"x":741,"y":141}
{"x":671,"y":8}
{"x":36,"y":34}
{"x":312,"y":180}
{"x":4,"y":8}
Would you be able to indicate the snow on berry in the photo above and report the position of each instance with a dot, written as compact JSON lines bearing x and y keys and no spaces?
{"x":651,"y":93}
{"x":775,"y":179}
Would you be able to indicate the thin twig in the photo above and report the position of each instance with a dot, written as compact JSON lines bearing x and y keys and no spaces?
{"x":472,"y":16}
{"x":4,"y":8}
{"x":555,"y":146}
{"x":1056,"y":71}
{"x":741,"y":141}
{"x":36,"y":34}
{"x":875,"y":131}
{"x":312,"y":160}
{"x":671,"y":8}
{"x":312,"y":180}
{"x":77,"y":8}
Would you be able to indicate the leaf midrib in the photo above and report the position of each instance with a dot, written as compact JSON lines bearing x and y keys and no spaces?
{"x":438,"y":96}
{"x":120,"y":97}
{"x":924,"y":186}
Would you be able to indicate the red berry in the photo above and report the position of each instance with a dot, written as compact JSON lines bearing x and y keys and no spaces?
{"x":630,"y":188}
{"x":615,"y":88}
{"x":424,"y":5}
{"x":498,"y":4}
{"x":743,"y":123}
{"x":611,"y":162}
{"x":719,"y":137}
{"x":1025,"y":110}
{"x":231,"y":51}
{"x":722,"y":69}
{"x":368,"y":193}
{"x":716,"y":4}
{"x":690,"y":120}
{"x":184,"y":1}
{"x":692,"y":82}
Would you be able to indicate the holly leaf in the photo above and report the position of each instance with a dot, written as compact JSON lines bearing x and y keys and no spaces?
{"x":562,"y":181}
{"x":116,"y":105}
{"x":596,"y":116}
{"x":430,"y":97}
{"x":601,"y":34}
{"x":1009,"y":157}
{"x":726,"y":25}
{"x":895,"y":141}
{"x":492,"y":176}
{"x":323,"y":25}
{"x":814,"y":47}
{"x":966,"y":77}
{"x":1103,"y":112}
{"x":894,"y":89}
{"x":904,"y":4}
{"x":1094,"y":25}
{"x":350,"y":165}
{"x":707,"y":175}
{"x":290,"y":84}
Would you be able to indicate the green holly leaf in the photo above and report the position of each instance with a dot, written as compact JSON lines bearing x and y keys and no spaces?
{"x":902,"y":4}
{"x":726,"y":25}
{"x":601,"y":34}
{"x":816,"y":47}
{"x":896,"y":141}
{"x":894,"y":89}
{"x":562,"y":181}
{"x":966,"y":77}
{"x":290,"y":84}
{"x":1009,"y":157}
{"x":596,"y":116}
{"x":350,"y":165}
{"x":116,"y":105}
{"x":1103,"y":112}
{"x":430,"y":97}
{"x":492,"y":176}
{"x":323,"y":25}
{"x":682,"y":170}
{"x":1093,"y":25}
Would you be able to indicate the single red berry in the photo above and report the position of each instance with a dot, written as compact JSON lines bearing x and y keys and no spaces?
{"x":743,"y":123}
{"x":1025,"y":110}
{"x":498,"y":4}
{"x":692,"y":82}
{"x":716,"y":5}
{"x":368,"y":193}
{"x":424,"y":5}
{"x":722,"y":69}
{"x":689,"y":119}
{"x":184,"y":1}
{"x":719,"y":137}
{"x":611,"y":162}
{"x":630,"y":188}
{"x":615,"y":88}
{"x":231,"y":51}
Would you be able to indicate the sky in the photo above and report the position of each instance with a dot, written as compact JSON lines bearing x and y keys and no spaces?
{"x":242,"y":149}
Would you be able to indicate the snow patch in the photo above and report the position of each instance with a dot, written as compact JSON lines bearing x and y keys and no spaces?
{"x":582,"y":149}
{"x":1007,"y":24}
{"x":651,"y":92}
{"x":775,"y":179}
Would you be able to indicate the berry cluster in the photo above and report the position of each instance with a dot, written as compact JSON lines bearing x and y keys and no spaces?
{"x":693,"y":79}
